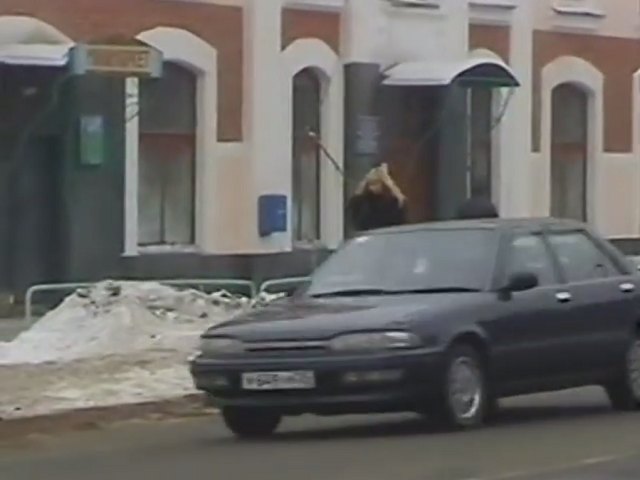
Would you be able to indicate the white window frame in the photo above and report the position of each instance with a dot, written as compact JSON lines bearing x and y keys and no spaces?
{"x":184,"y":48}
{"x":317,"y":55}
{"x":578,"y":71}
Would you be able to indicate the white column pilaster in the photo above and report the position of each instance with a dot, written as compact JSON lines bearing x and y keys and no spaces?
{"x":365,"y":35}
{"x":515,"y":137}
{"x":262,"y":104}
{"x":131,"y":166}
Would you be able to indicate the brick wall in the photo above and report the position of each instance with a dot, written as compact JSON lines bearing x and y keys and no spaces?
{"x":492,"y":38}
{"x":297,"y":24}
{"x":616,"y":58}
{"x":221,"y":26}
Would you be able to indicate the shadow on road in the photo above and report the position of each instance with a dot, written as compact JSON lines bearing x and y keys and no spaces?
{"x":416,"y":425}
{"x":525,"y":414}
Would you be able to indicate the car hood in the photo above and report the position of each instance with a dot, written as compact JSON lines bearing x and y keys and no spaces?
{"x":307,"y":318}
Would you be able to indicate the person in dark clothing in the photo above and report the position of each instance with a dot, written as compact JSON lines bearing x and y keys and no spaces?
{"x":378,"y":202}
{"x":477,"y":208}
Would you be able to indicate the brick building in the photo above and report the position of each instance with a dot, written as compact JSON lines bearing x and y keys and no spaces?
{"x":533,"y":102}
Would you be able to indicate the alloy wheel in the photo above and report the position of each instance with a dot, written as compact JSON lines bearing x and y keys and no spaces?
{"x":633,"y":369}
{"x":465,"y":388}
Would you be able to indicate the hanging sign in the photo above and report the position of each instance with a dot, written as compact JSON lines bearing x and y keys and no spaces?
{"x":124,"y":60}
{"x":367,"y":135}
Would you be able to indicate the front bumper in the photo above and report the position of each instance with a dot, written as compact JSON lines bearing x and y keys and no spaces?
{"x":419,"y":380}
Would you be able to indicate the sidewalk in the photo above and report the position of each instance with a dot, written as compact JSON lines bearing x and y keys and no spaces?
{"x":94,"y":418}
{"x":47,"y":398}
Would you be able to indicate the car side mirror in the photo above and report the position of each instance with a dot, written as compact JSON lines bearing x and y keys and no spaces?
{"x":521,"y":282}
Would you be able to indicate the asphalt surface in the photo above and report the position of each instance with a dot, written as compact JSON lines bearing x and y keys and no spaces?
{"x":569,"y":436}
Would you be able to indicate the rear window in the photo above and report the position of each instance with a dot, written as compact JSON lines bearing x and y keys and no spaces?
{"x":580,"y":258}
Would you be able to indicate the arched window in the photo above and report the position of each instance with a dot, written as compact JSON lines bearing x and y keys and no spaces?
{"x":167,"y":125}
{"x":569,"y":151}
{"x":306,"y":156}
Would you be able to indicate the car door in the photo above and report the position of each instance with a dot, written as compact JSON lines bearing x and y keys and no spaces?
{"x":525,"y":333}
{"x":602,"y":298}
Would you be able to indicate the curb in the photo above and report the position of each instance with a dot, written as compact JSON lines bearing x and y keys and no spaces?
{"x":192,"y":405}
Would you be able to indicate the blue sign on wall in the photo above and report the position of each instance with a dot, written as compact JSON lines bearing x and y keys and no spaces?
{"x":272,"y":214}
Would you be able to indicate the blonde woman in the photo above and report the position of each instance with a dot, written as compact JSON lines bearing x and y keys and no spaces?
{"x":377,"y":202}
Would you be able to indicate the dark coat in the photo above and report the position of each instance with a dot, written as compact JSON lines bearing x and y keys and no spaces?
{"x":477,"y":207}
{"x":369,"y":211}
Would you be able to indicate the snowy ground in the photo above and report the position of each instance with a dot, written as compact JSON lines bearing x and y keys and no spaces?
{"x":30,"y":390}
{"x":115,"y":343}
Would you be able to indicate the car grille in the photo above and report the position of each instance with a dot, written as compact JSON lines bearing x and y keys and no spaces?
{"x":286,"y":346}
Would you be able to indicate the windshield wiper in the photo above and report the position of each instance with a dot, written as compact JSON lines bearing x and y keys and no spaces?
{"x":435,"y":290}
{"x":353,"y":292}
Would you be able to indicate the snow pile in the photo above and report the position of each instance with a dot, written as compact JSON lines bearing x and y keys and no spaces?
{"x":119,"y":318}
{"x":114,"y":343}
{"x":94,"y":382}
{"x":31,"y":389}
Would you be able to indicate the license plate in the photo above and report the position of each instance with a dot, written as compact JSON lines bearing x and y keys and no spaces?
{"x":278,"y":381}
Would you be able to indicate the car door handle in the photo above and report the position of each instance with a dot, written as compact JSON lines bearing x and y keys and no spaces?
{"x":563,"y":297}
{"x":627,"y":287}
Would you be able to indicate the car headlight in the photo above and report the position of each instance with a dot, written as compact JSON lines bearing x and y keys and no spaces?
{"x":220,"y":346}
{"x":375,"y":341}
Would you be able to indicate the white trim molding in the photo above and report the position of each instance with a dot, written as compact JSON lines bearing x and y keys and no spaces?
{"x":579,"y":72}
{"x":581,"y":8}
{"x":582,"y":15}
{"x":515,"y":129}
{"x":316,"y":5}
{"x":492,"y":12}
{"x":22,"y":29}
{"x":635,"y":112}
{"x":315,"y":54}
{"x":186,"y":49}
{"x":635,"y":125}
{"x":131,"y":161}
{"x":28,"y":41}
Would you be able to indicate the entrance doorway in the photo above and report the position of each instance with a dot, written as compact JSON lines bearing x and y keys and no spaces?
{"x":412,"y":146}
{"x":439,"y":145}
{"x":440,"y":120}
{"x":480,"y":141}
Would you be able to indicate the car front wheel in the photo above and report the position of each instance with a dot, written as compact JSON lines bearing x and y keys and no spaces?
{"x":251,"y":423}
{"x":464,"y":399}
{"x":624,"y":392}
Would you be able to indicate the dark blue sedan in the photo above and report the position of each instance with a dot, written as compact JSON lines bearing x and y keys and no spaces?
{"x":441,"y":319}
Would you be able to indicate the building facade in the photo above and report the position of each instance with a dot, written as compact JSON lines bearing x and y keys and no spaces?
{"x":274,"y":109}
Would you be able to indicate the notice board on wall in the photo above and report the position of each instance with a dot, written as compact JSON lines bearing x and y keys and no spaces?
{"x":92,"y":140}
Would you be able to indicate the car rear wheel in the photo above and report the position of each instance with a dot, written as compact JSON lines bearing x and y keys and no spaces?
{"x":624,"y":392}
{"x":251,"y":423}
{"x":464,"y":398}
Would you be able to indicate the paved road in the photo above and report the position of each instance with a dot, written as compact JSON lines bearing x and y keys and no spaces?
{"x":572,"y":436}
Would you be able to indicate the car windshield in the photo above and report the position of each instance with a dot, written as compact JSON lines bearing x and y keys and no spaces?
{"x":414,"y":261}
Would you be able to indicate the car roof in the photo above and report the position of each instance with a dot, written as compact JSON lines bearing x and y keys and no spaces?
{"x":485,"y":223}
